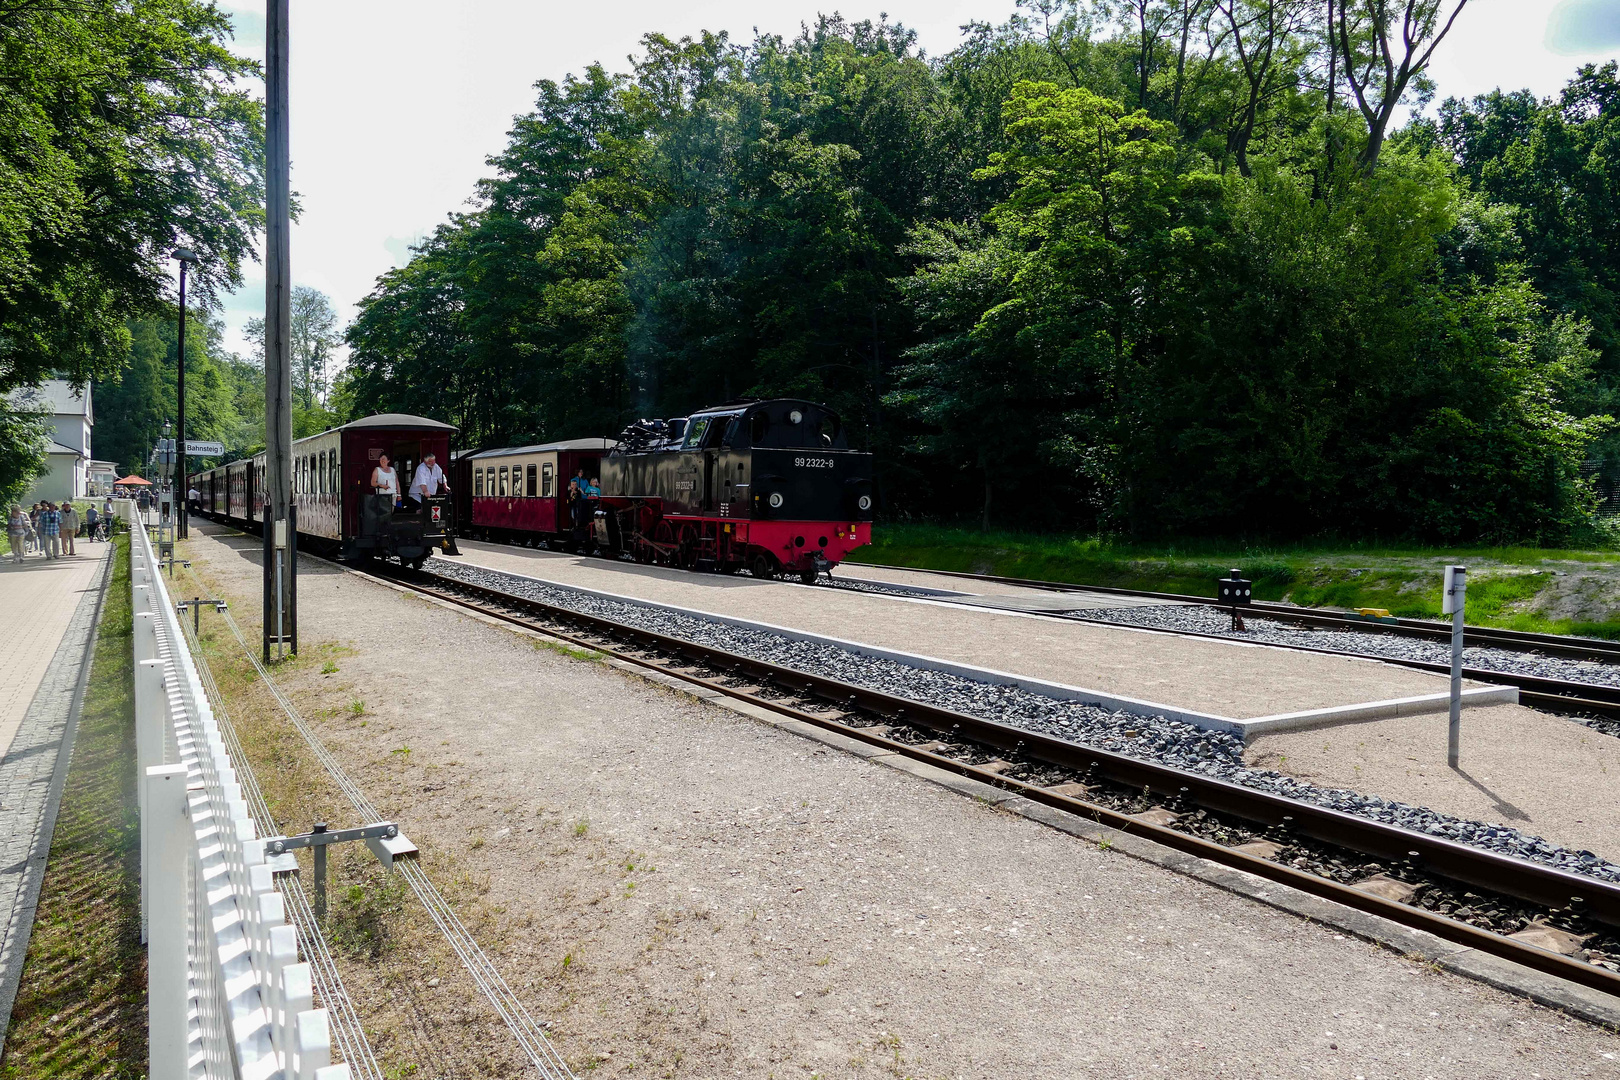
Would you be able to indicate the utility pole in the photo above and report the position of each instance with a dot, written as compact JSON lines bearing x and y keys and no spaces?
{"x":280,"y":524}
{"x":185,"y":257}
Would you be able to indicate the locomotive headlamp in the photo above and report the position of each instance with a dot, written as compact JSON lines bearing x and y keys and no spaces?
{"x":864,"y":502}
{"x":795,"y":416}
{"x":776,"y":500}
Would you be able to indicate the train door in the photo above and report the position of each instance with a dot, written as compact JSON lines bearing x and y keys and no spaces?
{"x":405,"y":454}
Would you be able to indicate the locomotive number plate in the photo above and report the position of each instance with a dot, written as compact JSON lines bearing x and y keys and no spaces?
{"x":814,"y":462}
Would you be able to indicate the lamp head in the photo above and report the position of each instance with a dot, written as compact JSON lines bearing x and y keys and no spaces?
{"x":185,"y":255}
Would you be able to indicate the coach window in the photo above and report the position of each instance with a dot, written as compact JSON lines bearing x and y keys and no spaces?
{"x":545,"y":480}
{"x":478,"y":482}
{"x":332,"y":470}
{"x":533,"y":489}
{"x":503,"y":481}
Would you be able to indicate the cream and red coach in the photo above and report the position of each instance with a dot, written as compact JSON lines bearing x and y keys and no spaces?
{"x":337,"y":510}
{"x":519,"y":494}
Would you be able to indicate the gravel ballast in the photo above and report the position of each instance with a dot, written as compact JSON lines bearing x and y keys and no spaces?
{"x":1189,"y":618}
{"x":1154,"y":738}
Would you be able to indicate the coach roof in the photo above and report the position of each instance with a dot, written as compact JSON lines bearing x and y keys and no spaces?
{"x":396,"y":420}
{"x":601,"y":445}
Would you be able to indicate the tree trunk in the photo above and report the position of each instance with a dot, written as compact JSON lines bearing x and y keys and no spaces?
{"x":984,"y":522}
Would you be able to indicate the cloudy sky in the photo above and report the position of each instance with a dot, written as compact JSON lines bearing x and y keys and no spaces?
{"x":396,"y":103}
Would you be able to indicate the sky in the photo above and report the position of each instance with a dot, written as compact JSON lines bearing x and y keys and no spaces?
{"x":396,"y":104}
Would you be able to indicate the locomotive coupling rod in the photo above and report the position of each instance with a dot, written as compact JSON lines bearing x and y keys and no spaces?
{"x":384,"y":839}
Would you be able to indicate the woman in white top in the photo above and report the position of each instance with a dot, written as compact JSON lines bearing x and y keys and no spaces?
{"x":383,"y":480}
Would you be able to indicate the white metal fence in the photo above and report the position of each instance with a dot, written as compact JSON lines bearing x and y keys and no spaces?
{"x":227,"y":996}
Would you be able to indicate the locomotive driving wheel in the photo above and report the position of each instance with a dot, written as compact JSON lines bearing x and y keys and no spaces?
{"x":762,"y":565}
{"x":664,"y":537}
{"x":687,"y":557}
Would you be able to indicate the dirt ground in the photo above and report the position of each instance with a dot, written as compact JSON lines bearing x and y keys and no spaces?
{"x":682,"y":892}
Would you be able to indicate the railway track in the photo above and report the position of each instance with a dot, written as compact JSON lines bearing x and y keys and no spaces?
{"x":1353,"y":860}
{"x":1564,"y":696}
{"x":1575,"y":648}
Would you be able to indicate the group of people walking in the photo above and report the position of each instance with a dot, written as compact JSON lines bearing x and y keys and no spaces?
{"x":49,"y":529}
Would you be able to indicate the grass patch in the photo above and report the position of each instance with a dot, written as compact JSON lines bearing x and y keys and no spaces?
{"x":1405,"y":579}
{"x":81,"y":1005}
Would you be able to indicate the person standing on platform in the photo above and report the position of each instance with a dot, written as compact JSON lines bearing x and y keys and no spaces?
{"x":70,"y":527}
{"x":50,"y":531}
{"x":17,"y":532}
{"x":91,"y":520}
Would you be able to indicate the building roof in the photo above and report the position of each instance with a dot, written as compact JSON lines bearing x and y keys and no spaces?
{"x":603,"y":445}
{"x":58,"y":448}
{"x":59,"y":396}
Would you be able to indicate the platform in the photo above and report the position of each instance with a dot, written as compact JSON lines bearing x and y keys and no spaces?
{"x":51,"y":608}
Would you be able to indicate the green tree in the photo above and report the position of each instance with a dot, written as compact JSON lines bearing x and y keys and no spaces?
{"x":125,"y":136}
{"x":132,"y":405}
{"x":313,"y":338}
{"x":25,"y":438}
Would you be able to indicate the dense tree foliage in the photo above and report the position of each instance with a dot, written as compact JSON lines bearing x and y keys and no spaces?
{"x":1154,"y":266}
{"x":224,"y":395}
{"x":122,"y":136}
{"x":25,"y":437}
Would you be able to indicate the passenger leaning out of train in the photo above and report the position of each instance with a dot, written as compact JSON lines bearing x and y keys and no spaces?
{"x":428,"y":478}
{"x":383,"y":480}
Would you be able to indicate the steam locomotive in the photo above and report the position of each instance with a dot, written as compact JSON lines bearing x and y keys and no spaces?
{"x":768,"y":485}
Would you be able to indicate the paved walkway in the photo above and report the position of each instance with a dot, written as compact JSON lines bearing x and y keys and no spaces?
{"x":50,"y":617}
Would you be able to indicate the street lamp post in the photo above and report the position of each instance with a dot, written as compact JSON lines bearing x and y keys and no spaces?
{"x":185,"y":257}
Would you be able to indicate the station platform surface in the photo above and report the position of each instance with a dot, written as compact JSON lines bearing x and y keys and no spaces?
{"x":50,"y":610}
{"x":39,"y":597}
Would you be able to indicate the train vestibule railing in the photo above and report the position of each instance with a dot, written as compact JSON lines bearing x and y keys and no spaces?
{"x":227,"y":995}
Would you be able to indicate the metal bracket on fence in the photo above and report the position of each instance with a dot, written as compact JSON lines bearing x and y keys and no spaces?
{"x":196,"y":604}
{"x":384,"y":839}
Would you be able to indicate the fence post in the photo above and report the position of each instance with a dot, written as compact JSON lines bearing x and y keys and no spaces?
{"x":145,"y":631}
{"x":314,"y":1042}
{"x":151,"y":707}
{"x":167,"y":979}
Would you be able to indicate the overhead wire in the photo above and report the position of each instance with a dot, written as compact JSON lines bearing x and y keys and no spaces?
{"x":529,"y":1034}
{"x":348,"y":1033}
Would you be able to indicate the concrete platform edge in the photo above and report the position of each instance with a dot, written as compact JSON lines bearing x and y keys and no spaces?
{"x":1473,"y":697}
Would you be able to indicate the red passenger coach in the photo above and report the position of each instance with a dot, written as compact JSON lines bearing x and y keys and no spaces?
{"x":520,"y":493}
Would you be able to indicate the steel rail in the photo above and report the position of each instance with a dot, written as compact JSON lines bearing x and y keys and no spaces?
{"x":1558,"y":695}
{"x":507,"y":1005}
{"x":348,"y":1033}
{"x":1538,"y":884}
{"x":1516,"y":640}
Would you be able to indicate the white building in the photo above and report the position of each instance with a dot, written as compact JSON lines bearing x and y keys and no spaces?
{"x":67,"y":474}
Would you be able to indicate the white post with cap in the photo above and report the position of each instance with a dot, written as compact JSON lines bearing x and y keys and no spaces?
{"x":1453,"y":600}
